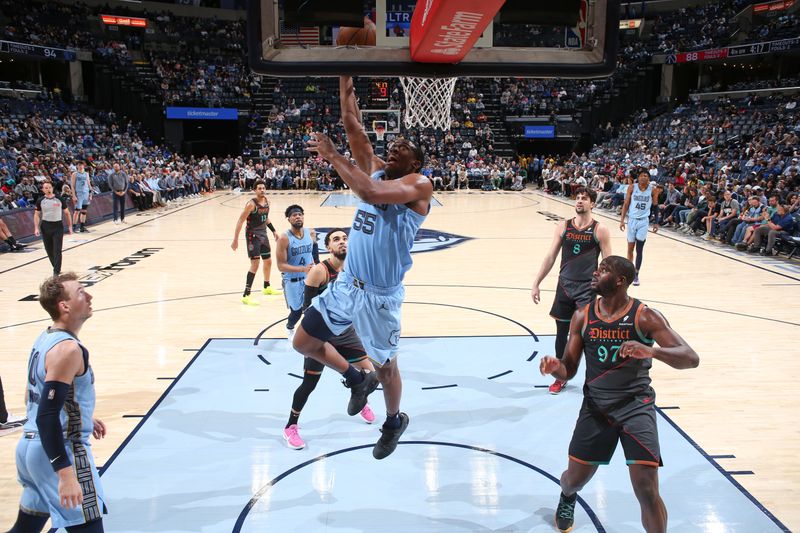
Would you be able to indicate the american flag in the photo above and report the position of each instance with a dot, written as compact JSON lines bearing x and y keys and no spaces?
{"x":291,"y":34}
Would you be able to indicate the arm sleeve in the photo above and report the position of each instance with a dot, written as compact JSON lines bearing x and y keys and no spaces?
{"x":315,"y":253}
{"x":48,"y":422}
{"x":271,"y":227}
{"x":308,"y":295}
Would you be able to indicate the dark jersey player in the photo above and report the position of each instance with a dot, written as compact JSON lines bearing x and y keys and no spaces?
{"x":348,"y":344}
{"x":256,"y":214}
{"x":580,"y":240}
{"x":618,"y":334}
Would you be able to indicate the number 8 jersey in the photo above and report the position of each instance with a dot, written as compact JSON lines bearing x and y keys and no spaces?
{"x":380,"y":241}
{"x":609,"y":377}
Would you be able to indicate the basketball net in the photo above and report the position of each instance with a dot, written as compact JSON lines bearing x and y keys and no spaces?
{"x":428,"y":102}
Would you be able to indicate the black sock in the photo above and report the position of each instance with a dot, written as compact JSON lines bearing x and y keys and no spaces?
{"x":250,"y":277}
{"x":562,"y":335}
{"x":392,"y":421}
{"x":293,"y":418}
{"x":639,"y":255}
{"x":352,"y":376}
{"x":569,"y":499}
{"x":266,"y":284}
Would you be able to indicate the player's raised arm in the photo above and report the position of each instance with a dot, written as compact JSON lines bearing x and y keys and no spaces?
{"x":357,"y":138}
{"x":566,"y":368}
{"x":671,"y":349}
{"x":410,"y":188}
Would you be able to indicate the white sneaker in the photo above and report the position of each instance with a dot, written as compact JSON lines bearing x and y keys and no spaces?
{"x":123,"y":222}
{"x":12,"y":424}
{"x":290,"y":334}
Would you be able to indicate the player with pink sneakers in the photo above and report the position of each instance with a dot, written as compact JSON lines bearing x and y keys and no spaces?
{"x":348,"y":344}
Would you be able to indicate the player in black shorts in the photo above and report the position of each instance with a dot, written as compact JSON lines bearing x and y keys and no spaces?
{"x":256,"y":213}
{"x":580,"y":241}
{"x":618,"y":335}
{"x":348,"y":344}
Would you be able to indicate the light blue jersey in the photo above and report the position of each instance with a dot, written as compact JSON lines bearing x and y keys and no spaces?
{"x":369,"y":292}
{"x":380,"y":241}
{"x":81,"y":190}
{"x":34,"y":471}
{"x":641,"y":202}
{"x":81,"y":182}
{"x":639,"y":213}
{"x":76,"y":418}
{"x":298,"y":253}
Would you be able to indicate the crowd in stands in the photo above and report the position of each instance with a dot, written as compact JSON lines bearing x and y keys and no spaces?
{"x":742,"y":190}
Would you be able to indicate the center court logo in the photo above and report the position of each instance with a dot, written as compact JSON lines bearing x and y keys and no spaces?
{"x":426,"y":240}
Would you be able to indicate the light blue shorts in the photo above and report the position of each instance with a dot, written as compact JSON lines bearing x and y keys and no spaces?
{"x":83,"y":199}
{"x":294,"y":291}
{"x":40,"y":483}
{"x":374,"y":312}
{"x":637,"y":229}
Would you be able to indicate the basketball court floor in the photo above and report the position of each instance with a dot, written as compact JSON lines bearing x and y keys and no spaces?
{"x":195,"y":387}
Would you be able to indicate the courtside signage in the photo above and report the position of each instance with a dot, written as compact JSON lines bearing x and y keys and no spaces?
{"x":203,"y":113}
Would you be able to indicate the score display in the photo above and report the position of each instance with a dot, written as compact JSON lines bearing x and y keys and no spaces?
{"x":379,"y":91}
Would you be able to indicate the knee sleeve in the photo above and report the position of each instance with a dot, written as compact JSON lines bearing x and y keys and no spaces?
{"x":562,"y":334}
{"x":26,"y":523}
{"x":304,"y":391}
{"x":294,"y":316}
{"x":639,"y":253}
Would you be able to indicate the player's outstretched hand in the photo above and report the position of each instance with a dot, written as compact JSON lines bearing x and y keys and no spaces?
{"x":234,"y":245}
{"x":321,"y":144}
{"x":622,"y":226}
{"x":535,"y":294}
{"x":548,"y":365}
{"x":636,"y":350}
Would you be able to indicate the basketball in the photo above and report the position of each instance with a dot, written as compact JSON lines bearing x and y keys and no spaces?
{"x":365,"y":36}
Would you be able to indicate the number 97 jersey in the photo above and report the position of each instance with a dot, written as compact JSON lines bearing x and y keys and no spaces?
{"x":609,"y":377}
{"x":380,"y":241}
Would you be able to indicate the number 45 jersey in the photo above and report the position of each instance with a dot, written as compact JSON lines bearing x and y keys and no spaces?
{"x":380,"y":241}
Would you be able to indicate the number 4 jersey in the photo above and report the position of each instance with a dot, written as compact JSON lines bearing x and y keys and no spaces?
{"x":380,"y":241}
{"x":609,"y":377}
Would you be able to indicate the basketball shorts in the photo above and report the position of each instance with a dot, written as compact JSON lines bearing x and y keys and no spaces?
{"x":40,"y":483}
{"x":637,"y":229}
{"x":348,"y":344}
{"x":633,"y":424}
{"x":373,"y":311}
{"x":570,"y":295}
{"x":257,"y":245}
{"x":83,"y":199}
{"x":294,"y":287}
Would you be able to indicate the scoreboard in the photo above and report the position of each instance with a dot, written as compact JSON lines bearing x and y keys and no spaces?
{"x":379,"y":91}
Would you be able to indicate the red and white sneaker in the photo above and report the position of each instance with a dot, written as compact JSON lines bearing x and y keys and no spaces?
{"x":367,"y":414}
{"x":292,"y":438}
{"x":557,"y":386}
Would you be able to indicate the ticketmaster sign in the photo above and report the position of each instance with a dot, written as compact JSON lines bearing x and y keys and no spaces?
{"x":202,"y":113}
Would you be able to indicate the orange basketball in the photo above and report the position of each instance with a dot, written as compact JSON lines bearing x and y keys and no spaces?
{"x":357,"y":36}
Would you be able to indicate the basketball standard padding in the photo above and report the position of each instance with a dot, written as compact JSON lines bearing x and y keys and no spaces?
{"x":365,"y":36}
{"x":445,"y":30}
